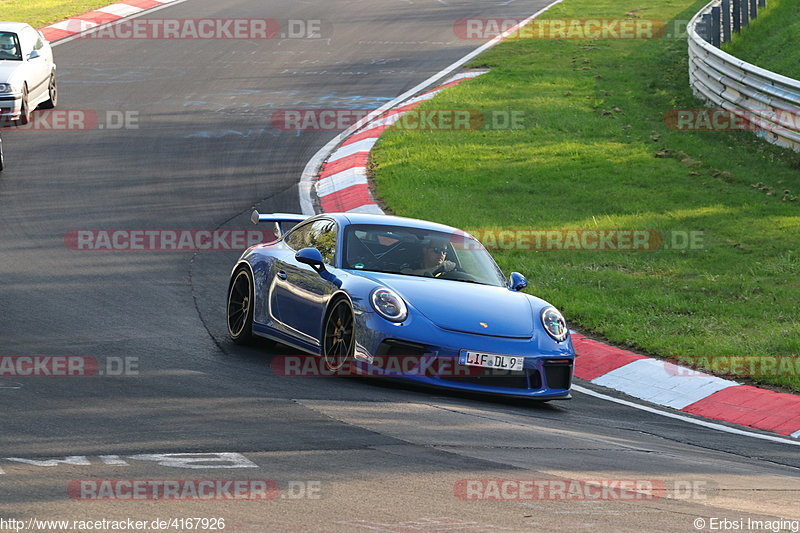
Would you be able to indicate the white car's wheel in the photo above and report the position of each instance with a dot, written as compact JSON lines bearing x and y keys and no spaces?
{"x":52,"y":91}
{"x":25,"y":110}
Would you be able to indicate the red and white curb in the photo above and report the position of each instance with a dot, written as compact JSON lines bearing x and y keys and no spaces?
{"x":664,"y":383}
{"x":342,"y":186}
{"x":98,"y":17}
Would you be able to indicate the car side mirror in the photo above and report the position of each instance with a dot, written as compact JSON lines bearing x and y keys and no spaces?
{"x":34,"y":55}
{"x":517,"y":281}
{"x":311,"y":257}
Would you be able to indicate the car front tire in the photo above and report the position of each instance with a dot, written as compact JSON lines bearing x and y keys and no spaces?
{"x":338,"y":337}
{"x":25,"y":109}
{"x":53,"y":93}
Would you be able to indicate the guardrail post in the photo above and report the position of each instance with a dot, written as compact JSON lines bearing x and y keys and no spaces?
{"x":715,"y":15}
{"x":753,"y":9}
{"x":726,"y":21}
{"x":706,"y":27}
{"x":745,"y":13}
{"x":737,"y":16}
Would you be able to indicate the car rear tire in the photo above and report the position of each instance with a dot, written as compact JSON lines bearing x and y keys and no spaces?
{"x":25,"y":110}
{"x":240,"y":307}
{"x":338,"y":337}
{"x":53,"y":93}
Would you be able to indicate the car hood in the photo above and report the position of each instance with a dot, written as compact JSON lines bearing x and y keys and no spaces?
{"x":7,"y":70}
{"x":465,"y":307}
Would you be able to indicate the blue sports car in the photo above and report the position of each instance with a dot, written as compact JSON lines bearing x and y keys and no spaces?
{"x":363,"y":291}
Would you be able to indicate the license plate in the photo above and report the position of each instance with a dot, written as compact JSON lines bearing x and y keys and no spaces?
{"x":491,"y":360}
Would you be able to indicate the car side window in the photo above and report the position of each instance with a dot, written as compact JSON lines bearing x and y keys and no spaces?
{"x":323,"y":237}
{"x":298,"y":238}
{"x":10,"y":48}
{"x":31,"y":39}
{"x":320,"y":234}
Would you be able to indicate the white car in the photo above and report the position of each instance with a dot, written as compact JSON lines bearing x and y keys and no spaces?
{"x":27,"y":73}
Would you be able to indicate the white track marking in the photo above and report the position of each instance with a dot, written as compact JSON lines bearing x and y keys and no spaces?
{"x":371,"y":209}
{"x":120,"y":10}
{"x":197,"y":461}
{"x":70,"y":24}
{"x":364,"y":145}
{"x":663,"y":383}
{"x":342,"y":180}
{"x":309,"y":175}
{"x":424,"y":97}
{"x":114,"y":22}
{"x":113,"y":460}
{"x":683,"y":418}
{"x":74,"y":460}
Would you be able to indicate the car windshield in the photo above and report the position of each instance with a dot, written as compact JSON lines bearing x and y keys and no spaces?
{"x":9,"y":47}
{"x":419,"y":252}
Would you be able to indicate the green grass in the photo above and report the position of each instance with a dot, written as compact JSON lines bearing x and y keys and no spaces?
{"x":595,"y":153}
{"x":39,"y":13}
{"x":771,"y":40}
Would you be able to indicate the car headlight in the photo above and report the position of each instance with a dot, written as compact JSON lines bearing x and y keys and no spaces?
{"x":389,"y":305}
{"x":554,"y":323}
{"x":11,"y":87}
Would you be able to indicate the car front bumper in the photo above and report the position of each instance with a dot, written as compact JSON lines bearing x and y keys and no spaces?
{"x":10,"y":107}
{"x":385,"y":349}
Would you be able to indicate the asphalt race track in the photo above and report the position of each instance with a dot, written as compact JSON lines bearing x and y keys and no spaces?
{"x":383,"y":457}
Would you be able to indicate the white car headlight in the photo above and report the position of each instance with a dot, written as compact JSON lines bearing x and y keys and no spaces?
{"x":389,"y":305}
{"x":554,"y":323}
{"x":14,"y":87}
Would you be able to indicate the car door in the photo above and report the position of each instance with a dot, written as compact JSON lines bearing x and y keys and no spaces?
{"x":300,"y":293}
{"x":37,"y":68}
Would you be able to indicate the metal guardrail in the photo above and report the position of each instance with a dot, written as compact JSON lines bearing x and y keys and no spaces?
{"x":768,"y":101}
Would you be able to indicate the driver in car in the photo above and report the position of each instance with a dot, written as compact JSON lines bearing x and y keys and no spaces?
{"x":8,"y":47}
{"x":433,"y":262}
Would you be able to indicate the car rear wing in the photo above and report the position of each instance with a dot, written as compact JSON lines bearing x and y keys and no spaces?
{"x":283,"y":221}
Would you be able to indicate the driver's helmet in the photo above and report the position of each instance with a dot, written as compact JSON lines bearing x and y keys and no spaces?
{"x":8,"y":44}
{"x":437,"y":243}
